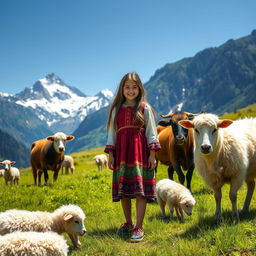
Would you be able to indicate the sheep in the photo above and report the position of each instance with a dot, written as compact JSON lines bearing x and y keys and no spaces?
{"x":67,"y":218}
{"x":1,"y":172}
{"x":176,"y":196}
{"x":68,"y":163}
{"x":33,"y":243}
{"x":225,"y":152}
{"x":101,"y":161}
{"x":47,"y":154}
{"x":11,"y":174}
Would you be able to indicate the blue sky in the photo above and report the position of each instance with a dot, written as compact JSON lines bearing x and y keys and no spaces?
{"x":91,"y":44}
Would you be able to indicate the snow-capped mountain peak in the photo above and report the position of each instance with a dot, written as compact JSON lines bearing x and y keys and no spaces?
{"x":57,"y":103}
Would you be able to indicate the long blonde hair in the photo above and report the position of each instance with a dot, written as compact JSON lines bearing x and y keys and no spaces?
{"x":120,"y":99}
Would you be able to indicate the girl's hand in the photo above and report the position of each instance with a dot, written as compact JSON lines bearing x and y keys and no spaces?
{"x":152,"y":160}
{"x":111,"y":161}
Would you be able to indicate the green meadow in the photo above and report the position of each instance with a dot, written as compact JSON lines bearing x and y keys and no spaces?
{"x":91,"y":190}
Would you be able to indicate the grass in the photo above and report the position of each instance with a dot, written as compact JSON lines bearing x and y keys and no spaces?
{"x":91,"y":190}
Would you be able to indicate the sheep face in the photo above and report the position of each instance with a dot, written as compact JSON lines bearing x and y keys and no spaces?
{"x":187,"y":206}
{"x":7,"y":164}
{"x":59,"y":141}
{"x":206,"y":130}
{"x":74,"y":225}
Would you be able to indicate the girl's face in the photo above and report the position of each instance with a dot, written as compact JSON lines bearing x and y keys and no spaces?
{"x":130,"y":91}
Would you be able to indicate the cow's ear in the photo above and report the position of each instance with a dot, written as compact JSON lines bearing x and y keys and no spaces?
{"x":70,"y":137}
{"x":186,"y":124}
{"x":68,"y":217}
{"x":224,"y":123}
{"x":50,"y":138}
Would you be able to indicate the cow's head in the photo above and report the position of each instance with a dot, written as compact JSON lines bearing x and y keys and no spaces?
{"x":7,"y":164}
{"x":180,"y":133}
{"x":59,"y":141}
{"x":206,"y":130}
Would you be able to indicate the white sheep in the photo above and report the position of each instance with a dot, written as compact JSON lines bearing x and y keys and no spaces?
{"x":68,"y":163}
{"x":1,"y":172}
{"x":67,"y":218}
{"x":33,"y":243}
{"x":175,"y":196}
{"x":11,"y":174}
{"x":225,"y":156}
{"x":101,"y":161}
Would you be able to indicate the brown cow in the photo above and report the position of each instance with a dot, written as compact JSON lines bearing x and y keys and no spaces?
{"x":47,"y":154}
{"x":176,"y":146}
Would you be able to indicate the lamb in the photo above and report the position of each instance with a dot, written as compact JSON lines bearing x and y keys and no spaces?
{"x":68,"y":163}
{"x":101,"y":161}
{"x":33,"y":243}
{"x":1,"y":172}
{"x":225,"y":152}
{"x":176,"y":196}
{"x":11,"y":174}
{"x":67,"y":218}
{"x":47,"y":154}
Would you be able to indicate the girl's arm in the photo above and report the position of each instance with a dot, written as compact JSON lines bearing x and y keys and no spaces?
{"x":151,"y":132}
{"x":111,"y":141}
{"x":151,"y":135}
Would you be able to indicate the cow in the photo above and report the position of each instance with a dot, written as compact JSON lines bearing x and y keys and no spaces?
{"x":48,"y":153}
{"x":177,"y":145}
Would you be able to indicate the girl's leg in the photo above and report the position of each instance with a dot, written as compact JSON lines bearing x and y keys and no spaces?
{"x":141,"y":204}
{"x":127,"y":209}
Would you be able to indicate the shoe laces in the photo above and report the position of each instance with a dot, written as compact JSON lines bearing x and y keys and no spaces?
{"x":136,"y":231}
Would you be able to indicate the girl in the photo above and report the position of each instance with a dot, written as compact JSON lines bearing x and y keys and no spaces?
{"x":132,"y":142}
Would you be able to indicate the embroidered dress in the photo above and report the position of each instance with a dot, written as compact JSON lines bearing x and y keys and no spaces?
{"x":131,"y":145}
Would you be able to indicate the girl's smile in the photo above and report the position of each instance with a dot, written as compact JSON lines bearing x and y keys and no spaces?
{"x":130,"y":91}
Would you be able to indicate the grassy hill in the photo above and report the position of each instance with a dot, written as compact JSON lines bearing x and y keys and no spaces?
{"x":91,"y":190}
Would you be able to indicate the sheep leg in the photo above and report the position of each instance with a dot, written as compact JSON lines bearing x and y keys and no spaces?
{"x":218,"y":196}
{"x":179,"y":213}
{"x":180,"y":175}
{"x":170,"y":208}
{"x":74,"y":240}
{"x":189,"y":176}
{"x":234,"y":186}
{"x":250,"y":189}
{"x":66,"y":170}
{"x":170,"y":172}
{"x":162,"y":205}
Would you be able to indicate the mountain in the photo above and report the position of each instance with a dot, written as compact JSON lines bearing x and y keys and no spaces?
{"x":11,"y":149}
{"x":216,"y":80}
{"x":61,"y":106}
{"x":21,"y":123}
{"x":91,"y":133}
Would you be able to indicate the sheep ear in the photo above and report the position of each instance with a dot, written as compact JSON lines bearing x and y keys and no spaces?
{"x":1,"y":163}
{"x":224,"y":123}
{"x":13,"y":162}
{"x":68,"y":217}
{"x":186,"y":124}
{"x":70,"y":137}
{"x":183,"y":202}
{"x":50,"y":138}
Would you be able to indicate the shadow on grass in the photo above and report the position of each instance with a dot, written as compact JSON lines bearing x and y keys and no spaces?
{"x":166,"y":219}
{"x":202,"y":191}
{"x":111,"y":233}
{"x":209,"y":223}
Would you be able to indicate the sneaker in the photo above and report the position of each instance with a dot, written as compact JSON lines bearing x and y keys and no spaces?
{"x":137,"y":235}
{"x":125,"y":228}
